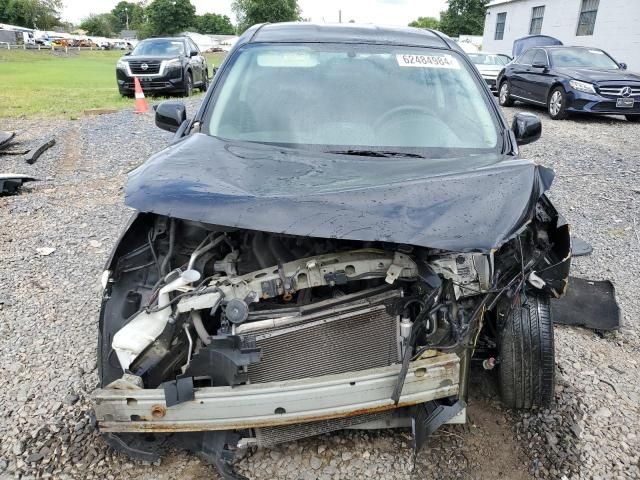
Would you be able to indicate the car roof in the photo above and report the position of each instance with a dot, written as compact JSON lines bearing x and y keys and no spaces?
{"x":164,"y":38}
{"x":305,"y":32}
{"x":565,"y":47}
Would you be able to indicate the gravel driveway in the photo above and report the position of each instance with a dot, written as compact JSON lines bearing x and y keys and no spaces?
{"x":57,"y":235}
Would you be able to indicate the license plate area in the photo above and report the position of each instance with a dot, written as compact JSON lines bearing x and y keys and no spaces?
{"x":625,"y":102}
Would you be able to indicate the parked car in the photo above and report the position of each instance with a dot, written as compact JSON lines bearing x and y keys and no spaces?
{"x":490,"y":65}
{"x":571,"y":80}
{"x":163,"y":65}
{"x":304,"y":259}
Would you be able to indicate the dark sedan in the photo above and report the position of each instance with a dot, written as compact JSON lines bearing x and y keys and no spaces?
{"x":571,"y":80}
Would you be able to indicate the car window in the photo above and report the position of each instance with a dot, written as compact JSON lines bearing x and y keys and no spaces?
{"x":164,"y":47}
{"x":324,"y":97}
{"x":526,"y":58}
{"x":193,"y":46}
{"x":581,"y":58}
{"x":487,"y":59}
{"x":540,"y":58}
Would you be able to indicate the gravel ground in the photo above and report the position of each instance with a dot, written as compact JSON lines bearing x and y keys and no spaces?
{"x":59,"y":232}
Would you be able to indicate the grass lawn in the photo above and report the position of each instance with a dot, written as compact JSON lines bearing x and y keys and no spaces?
{"x":43,"y":83}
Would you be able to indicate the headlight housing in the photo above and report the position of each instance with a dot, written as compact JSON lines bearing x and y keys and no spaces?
{"x":122,"y":65}
{"x":582,"y":86}
{"x":174,"y":62}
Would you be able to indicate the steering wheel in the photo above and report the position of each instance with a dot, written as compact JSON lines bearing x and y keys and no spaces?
{"x":402,"y":109}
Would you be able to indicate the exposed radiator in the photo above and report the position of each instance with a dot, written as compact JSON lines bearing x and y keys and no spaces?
{"x":337,"y":336}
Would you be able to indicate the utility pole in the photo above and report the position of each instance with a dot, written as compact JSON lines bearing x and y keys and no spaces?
{"x":339,"y":16}
{"x":126,"y":12}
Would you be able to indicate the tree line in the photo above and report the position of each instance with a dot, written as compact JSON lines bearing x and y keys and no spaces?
{"x":168,"y":17}
{"x":462,"y":17}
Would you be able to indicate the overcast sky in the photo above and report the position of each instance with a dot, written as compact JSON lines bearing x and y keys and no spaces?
{"x":385,"y":12}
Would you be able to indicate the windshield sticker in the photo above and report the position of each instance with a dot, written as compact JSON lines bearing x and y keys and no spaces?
{"x":428,"y":61}
{"x":290,"y":59}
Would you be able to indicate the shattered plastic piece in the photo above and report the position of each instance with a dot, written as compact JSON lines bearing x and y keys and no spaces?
{"x":45,"y":251}
{"x":579,"y":247}
{"x":5,"y":138}
{"x":11,"y":182}
{"x":588,"y":303}
{"x":35,"y":153}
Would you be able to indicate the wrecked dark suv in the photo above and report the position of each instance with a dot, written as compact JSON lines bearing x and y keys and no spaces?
{"x":341,"y":228}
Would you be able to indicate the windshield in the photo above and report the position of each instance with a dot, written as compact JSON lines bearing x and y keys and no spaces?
{"x":345,"y":98}
{"x":581,"y":58}
{"x":488,"y":59}
{"x":162,"y":47}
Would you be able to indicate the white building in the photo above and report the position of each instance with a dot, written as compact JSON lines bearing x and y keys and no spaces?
{"x":613,"y":25}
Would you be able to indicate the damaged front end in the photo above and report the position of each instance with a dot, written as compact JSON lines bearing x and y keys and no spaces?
{"x":223,"y":337}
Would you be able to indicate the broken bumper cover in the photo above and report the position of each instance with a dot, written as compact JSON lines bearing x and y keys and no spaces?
{"x":278,"y":403}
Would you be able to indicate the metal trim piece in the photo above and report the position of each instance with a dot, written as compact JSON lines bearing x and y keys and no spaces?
{"x":278,"y":403}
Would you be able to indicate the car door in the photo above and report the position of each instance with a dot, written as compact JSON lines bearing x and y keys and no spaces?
{"x":539,"y":77}
{"x":519,"y":70}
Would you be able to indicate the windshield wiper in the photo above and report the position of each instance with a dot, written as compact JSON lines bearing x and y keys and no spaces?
{"x":376,"y":153}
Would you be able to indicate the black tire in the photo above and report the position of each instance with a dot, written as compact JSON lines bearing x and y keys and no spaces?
{"x":504,"y":97}
{"x":633,"y":118}
{"x":187,"y":88}
{"x":527,"y":355}
{"x":205,"y":82}
{"x":557,"y":111}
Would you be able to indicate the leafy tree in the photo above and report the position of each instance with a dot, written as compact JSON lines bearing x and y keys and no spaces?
{"x":250,"y":12}
{"x":463,"y":17}
{"x":426,"y":22}
{"x":124,"y":10}
{"x":41,"y":14}
{"x":100,"y":25}
{"x":214,"y":24}
{"x":168,"y":17}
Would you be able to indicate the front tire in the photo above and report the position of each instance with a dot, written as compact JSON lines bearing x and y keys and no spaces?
{"x":188,"y":85}
{"x":527,"y":355}
{"x":504,"y":94}
{"x":205,"y":82}
{"x":557,"y":104}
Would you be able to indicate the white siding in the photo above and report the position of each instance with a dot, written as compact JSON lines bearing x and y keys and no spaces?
{"x":617,"y":28}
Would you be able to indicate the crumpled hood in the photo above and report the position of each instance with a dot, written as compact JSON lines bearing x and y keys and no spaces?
{"x":419,"y":202}
{"x":594,"y":75}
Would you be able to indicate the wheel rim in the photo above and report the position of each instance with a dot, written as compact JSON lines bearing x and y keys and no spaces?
{"x":504,"y":93}
{"x":555,"y":104}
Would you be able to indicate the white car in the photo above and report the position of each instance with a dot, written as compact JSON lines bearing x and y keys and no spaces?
{"x":489,"y":65}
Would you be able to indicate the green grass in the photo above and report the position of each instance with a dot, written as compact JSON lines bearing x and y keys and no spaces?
{"x":47,"y":84}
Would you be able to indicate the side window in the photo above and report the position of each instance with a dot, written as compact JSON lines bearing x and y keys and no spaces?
{"x":526,"y":58}
{"x":501,"y":20}
{"x":540,"y":58}
{"x":191,"y":46}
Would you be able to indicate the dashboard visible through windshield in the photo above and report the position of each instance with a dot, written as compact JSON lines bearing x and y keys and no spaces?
{"x":348,"y":98}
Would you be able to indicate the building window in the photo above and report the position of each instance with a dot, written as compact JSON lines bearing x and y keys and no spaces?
{"x":537,"y":15}
{"x":587,"y":21}
{"x":500,"y":21}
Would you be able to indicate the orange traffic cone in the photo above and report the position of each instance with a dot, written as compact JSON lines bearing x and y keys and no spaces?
{"x":141,"y":102}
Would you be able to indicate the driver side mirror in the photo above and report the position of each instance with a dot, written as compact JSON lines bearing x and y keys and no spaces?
{"x":623,"y":66}
{"x":527,"y":128}
{"x":542,"y":66}
{"x":193,"y":53}
{"x":170,"y":115}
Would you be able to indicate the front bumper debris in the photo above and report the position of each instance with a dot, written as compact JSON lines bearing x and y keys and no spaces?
{"x":278,"y":403}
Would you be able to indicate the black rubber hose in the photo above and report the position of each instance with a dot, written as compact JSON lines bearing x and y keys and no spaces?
{"x":172,"y":241}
